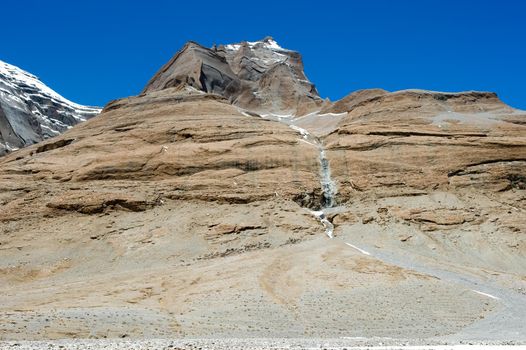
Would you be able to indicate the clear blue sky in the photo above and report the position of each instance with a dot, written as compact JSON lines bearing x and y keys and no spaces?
{"x":95,"y":51}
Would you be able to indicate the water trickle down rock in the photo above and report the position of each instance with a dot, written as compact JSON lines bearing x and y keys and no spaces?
{"x":328,"y":186}
{"x":328,"y":192}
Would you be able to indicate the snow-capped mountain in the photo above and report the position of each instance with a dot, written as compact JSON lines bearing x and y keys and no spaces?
{"x":31,"y":112}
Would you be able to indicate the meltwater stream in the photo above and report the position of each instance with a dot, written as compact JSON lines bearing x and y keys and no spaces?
{"x":328,"y":192}
{"x":328,"y":186}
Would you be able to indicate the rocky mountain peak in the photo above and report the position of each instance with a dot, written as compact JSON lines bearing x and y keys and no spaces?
{"x":31,"y":112}
{"x":260,"y":76}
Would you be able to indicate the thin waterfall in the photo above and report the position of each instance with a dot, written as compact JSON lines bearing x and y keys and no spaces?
{"x":328,"y":186}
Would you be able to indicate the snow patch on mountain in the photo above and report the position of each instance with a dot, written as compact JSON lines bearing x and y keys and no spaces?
{"x":31,"y":112}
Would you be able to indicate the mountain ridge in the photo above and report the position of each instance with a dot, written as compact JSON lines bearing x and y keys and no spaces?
{"x":31,"y":112}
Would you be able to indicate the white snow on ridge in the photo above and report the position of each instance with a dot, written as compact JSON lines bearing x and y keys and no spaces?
{"x":232,"y":47}
{"x":10,"y":148}
{"x":51,"y":131}
{"x":34,"y":111}
{"x":268,"y":52}
{"x":279,"y":117}
{"x":332,"y":114}
{"x":304,"y":133}
{"x":273,"y":45}
{"x":19,"y":77}
{"x":269,"y":44}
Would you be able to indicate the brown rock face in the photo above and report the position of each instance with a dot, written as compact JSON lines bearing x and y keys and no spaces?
{"x":350,"y":101}
{"x":191,"y":146}
{"x":259,"y":76}
{"x":416,"y":141}
{"x":177,"y":214}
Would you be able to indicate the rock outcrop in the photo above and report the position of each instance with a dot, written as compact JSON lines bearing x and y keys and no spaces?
{"x":350,"y":101}
{"x":259,"y":76}
{"x":189,"y":146}
{"x":413,"y":141}
{"x":31,"y":112}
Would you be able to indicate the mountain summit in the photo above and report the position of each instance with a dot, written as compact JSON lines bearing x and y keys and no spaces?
{"x":260,"y":76}
{"x":31,"y":112}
